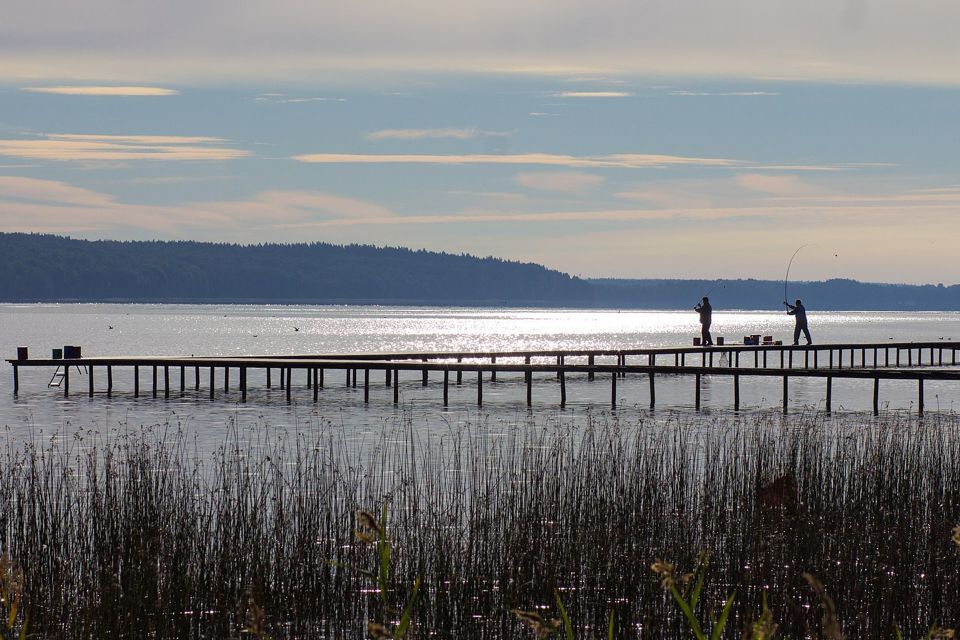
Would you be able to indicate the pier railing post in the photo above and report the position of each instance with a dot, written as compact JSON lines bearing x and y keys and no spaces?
{"x":613,"y":390}
{"x":479,"y":387}
{"x":696,"y":396}
{"x":563,"y":388}
{"x":136,"y":381}
{"x":653,"y":392}
{"x":243,"y":384}
{"x":829,"y":401}
{"x":876,"y":396}
{"x":446,"y":387}
{"x":366,"y":385}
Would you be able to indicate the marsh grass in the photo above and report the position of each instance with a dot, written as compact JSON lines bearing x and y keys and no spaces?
{"x":137,"y":534}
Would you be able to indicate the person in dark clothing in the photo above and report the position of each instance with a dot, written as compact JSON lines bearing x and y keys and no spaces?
{"x":799,"y":312}
{"x":706,"y":317}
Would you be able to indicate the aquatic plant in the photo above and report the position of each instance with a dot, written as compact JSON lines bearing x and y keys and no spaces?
{"x":128,"y":532}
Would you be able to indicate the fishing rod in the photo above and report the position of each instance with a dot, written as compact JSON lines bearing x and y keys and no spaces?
{"x":787,"y":276}
{"x":707,"y":294}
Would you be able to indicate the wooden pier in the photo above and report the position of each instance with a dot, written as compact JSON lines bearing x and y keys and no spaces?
{"x":912,"y":361}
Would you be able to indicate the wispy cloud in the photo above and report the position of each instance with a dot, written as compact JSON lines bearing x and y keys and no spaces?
{"x":114,"y":148}
{"x":746,"y":94}
{"x":420,"y":134}
{"x":282,"y":98}
{"x":129,"y":91}
{"x":575,"y":182}
{"x":542,"y":114}
{"x":592,"y":94}
{"x":624,"y":161}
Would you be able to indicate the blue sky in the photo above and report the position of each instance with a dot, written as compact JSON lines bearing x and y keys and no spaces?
{"x":609,"y":139}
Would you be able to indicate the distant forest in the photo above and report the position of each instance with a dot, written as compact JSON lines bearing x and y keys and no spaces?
{"x":48,"y":268}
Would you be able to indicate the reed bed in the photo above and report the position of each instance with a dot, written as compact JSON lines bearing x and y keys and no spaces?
{"x":136,"y":534}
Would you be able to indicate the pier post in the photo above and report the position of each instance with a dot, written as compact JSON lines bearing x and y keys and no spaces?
{"x":786,"y":388}
{"x":196,"y":378}
{"x":16,"y":380}
{"x":90,"y":381}
{"x":781,"y":358}
{"x":876,"y":396}
{"x":154,"y":381}
{"x":563,"y":389}
{"x":354,"y":378}
{"x":736,"y":393}
{"x":590,"y":360}
{"x":446,"y":387}
{"x":226,"y":379}
{"x":653,"y":392}
{"x":898,"y":356}
{"x":396,"y":386}
{"x":109,"y":381}
{"x":347,"y":382}
{"x":309,"y":373}
{"x":136,"y":381}
{"x":756,"y":358}
{"x":66,"y":381}
{"x":183,"y":380}
{"x":424,"y":374}
{"x":696,"y":395}
{"x":613,"y":390}
{"x":316,"y":385}
{"x":875,"y":356}
{"x":386,"y":376}
{"x":493,"y":374}
{"x":479,"y":387}
{"x":166,"y":381}
{"x":815,"y":354}
{"x":529,"y":378}
{"x":806,"y":358}
{"x":289,"y":377}
{"x":791,"y":359}
{"x":213,"y":376}
{"x":269,"y":381}
{"x":910,"y":356}
{"x":366,"y":386}
{"x":764,"y":358}
{"x":829,"y":402}
{"x":920,"y":396}
{"x":459,"y":372}
{"x":243,"y":384}
{"x":320,"y":378}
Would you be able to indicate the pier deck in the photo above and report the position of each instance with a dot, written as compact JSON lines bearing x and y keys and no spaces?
{"x":911,"y":361}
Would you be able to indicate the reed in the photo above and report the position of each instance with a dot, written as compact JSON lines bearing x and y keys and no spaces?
{"x":135,"y":533}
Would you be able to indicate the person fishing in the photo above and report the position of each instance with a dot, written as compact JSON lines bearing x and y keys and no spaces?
{"x":799,"y":312}
{"x":706,"y":317}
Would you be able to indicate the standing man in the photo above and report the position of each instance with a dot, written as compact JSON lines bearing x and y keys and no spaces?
{"x":800,"y":313}
{"x":706,"y":313}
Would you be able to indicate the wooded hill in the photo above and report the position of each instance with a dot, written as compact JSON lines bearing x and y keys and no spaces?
{"x":46,"y":268}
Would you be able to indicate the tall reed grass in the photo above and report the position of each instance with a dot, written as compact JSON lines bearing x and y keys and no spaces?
{"x":137,"y":534}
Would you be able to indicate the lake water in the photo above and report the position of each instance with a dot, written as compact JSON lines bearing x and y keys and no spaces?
{"x":39,"y":412}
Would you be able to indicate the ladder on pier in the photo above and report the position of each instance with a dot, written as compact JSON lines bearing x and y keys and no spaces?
{"x":57,"y":379}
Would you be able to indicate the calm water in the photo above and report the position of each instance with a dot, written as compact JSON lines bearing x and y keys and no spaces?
{"x":38,"y":412}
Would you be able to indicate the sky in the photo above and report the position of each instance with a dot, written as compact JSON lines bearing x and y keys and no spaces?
{"x":640,"y":139}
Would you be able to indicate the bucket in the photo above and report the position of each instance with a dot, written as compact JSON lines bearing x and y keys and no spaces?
{"x":23,"y":353}
{"x":696,"y":342}
{"x":71,"y":352}
{"x":719,"y":340}
{"x":56,"y":354}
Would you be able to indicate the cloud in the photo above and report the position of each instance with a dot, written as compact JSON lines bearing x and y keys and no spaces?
{"x":419,"y":134}
{"x":114,"y":148}
{"x":591,"y":94}
{"x":562,"y":182}
{"x":282,"y":98}
{"x":725,"y":93}
{"x":542,"y":114}
{"x":778,"y":185}
{"x":883,"y":40}
{"x":104,"y":91}
{"x":622,"y":161}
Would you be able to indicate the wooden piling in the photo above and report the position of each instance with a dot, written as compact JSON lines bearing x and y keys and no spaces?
{"x":876,"y":396}
{"x":268,"y":377}
{"x":183,"y":380}
{"x":109,"y":381}
{"x":316,"y":386}
{"x":736,"y":393}
{"x":590,"y":360}
{"x":366,"y":386}
{"x":89,"y":382}
{"x":786,"y":388}
{"x":446,"y":388}
{"x":289,"y":382}
{"x":166,"y":381}
{"x":613,"y":390}
{"x":563,"y":389}
{"x":829,"y":401}
{"x":243,"y":384}
{"x":493,"y":374}
{"x":920,"y":396}
{"x":154,"y":381}
{"x":479,"y":387}
{"x":424,"y":374}
{"x":696,"y":401}
{"x":396,"y":386}
{"x":226,"y":379}
{"x":528,"y":375}
{"x":66,"y":381}
{"x":653,"y":392}
{"x":213,"y":376}
{"x":196,"y":378}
